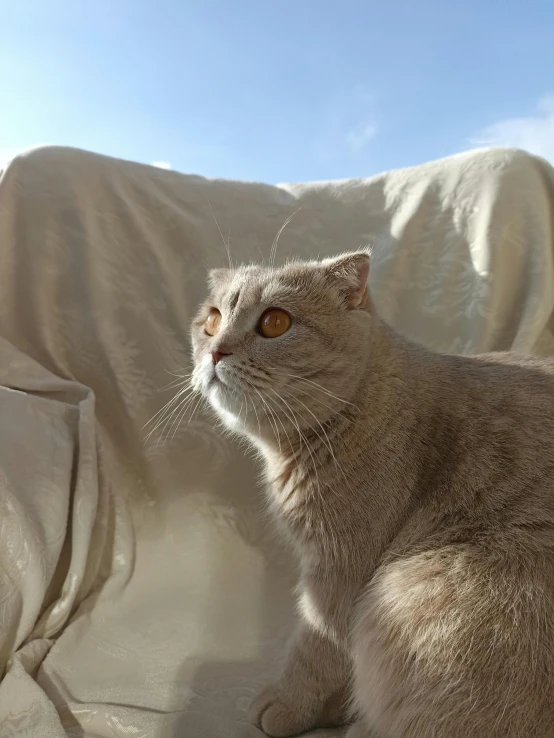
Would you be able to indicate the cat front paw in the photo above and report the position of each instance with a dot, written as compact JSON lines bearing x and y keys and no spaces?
{"x":277,"y":716}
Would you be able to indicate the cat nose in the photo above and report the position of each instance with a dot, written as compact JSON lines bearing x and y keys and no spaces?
{"x":219,"y":354}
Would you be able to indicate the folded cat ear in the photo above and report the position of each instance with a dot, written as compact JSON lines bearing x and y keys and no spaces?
{"x":351,"y":272}
{"x":217,"y":276}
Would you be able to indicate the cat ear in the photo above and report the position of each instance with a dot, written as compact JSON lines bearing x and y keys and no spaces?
{"x":351,"y":271}
{"x":216,"y":276}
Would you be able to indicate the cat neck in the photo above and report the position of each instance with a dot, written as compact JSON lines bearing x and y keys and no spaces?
{"x":327,"y":485}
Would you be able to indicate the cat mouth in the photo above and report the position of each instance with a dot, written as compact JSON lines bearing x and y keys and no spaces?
{"x":216,"y":380}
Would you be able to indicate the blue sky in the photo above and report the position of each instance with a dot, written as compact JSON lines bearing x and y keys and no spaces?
{"x":278,"y":90}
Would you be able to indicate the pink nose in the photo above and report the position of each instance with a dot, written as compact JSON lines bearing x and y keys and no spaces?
{"x":218,"y":355}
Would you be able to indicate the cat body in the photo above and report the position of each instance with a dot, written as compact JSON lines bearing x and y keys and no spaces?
{"x":417,"y":490}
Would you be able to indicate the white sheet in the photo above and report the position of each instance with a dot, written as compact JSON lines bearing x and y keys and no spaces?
{"x":141,"y":592}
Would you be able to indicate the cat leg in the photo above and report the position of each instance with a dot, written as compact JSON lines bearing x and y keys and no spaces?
{"x":311,"y":691}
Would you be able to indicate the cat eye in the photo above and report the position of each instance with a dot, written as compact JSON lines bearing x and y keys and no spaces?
{"x":274,"y":323}
{"x":213,"y":322}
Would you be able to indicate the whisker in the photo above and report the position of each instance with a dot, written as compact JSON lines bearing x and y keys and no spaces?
{"x":226,"y":245}
{"x":295,"y":422}
{"x":257,"y":417}
{"x":322,"y":389}
{"x":179,"y":376}
{"x":160,"y":415}
{"x":179,"y":415}
{"x":330,"y":510}
{"x":275,"y":428}
{"x":267,"y":417}
{"x":327,"y":443}
{"x":174,"y":416}
{"x":273,"y":250}
{"x":241,"y":407}
{"x":179,"y":419}
{"x":175,"y":383}
{"x":316,"y":399}
{"x":276,"y":415}
{"x":176,"y":425}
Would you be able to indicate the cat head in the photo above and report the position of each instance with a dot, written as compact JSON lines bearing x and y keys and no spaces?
{"x":279,"y":347}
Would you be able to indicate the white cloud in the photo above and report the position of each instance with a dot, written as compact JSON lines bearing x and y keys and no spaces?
{"x":358,"y":138}
{"x":161,"y":164}
{"x":534,"y":133}
{"x":349,"y":126}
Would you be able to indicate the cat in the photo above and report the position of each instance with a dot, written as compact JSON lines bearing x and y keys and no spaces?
{"x":417,"y":491}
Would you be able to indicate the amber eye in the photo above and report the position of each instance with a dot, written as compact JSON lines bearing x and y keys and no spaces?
{"x":274,"y":323}
{"x":213,"y":322}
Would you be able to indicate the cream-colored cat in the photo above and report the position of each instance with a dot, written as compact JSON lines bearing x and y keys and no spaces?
{"x":418,"y":492}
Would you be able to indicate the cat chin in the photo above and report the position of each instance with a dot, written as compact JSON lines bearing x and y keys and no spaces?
{"x":226,"y":406}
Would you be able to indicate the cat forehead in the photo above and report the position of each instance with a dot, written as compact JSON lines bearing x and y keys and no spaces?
{"x":254,"y":285}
